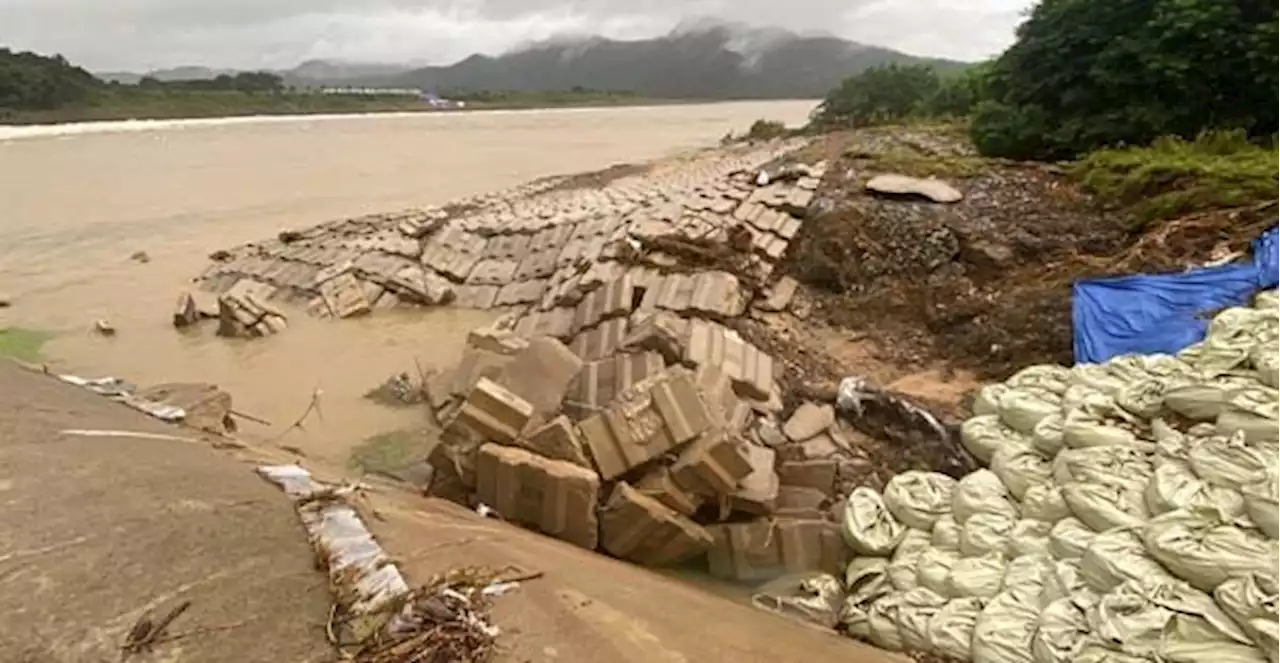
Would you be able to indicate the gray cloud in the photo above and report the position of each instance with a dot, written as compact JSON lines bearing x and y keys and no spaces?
{"x":146,"y":34}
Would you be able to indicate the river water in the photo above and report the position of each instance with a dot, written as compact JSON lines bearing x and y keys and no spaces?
{"x":77,"y":201}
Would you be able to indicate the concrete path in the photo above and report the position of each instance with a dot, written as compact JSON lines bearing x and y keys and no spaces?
{"x":96,"y":531}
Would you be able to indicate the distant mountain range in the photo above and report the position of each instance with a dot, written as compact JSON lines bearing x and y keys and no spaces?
{"x":705,"y":62}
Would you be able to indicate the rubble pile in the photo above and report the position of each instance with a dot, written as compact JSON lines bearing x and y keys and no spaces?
{"x":1128,"y":513}
{"x":540,"y":247}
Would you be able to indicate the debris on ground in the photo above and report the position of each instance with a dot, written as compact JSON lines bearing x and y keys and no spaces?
{"x":902,"y":185}
{"x":377,"y":617}
{"x":104,"y":327}
{"x":198,"y":405}
{"x":140,"y":256}
{"x":398,"y":390}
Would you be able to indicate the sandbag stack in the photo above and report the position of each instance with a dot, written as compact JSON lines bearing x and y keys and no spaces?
{"x":1128,"y":512}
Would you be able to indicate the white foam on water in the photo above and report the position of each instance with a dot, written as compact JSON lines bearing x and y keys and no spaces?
{"x":18,"y":131}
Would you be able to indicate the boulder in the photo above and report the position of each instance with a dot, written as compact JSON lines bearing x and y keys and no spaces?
{"x":902,"y":185}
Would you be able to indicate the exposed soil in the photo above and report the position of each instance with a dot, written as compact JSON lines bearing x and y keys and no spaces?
{"x":983,"y":284}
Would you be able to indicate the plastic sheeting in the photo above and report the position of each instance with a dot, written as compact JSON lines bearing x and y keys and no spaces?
{"x":1150,"y":313}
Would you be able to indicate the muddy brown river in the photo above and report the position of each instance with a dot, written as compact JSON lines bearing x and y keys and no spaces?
{"x":76,"y":202}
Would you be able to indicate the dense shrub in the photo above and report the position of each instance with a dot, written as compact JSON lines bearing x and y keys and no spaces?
{"x":33,"y":82}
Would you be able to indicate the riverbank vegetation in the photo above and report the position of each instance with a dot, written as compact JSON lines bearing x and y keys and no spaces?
{"x":1166,"y":107}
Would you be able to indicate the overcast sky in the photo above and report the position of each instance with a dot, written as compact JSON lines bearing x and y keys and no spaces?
{"x":138,"y":35}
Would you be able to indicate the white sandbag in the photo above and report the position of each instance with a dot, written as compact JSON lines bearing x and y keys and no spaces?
{"x":1096,"y":652}
{"x":981,"y":492}
{"x":1205,"y":400}
{"x":951,"y":629}
{"x":934,"y":569}
{"x":1027,"y":575}
{"x":1051,"y":378}
{"x":868,"y":526}
{"x":1044,"y":502}
{"x":917,"y":608}
{"x":867,"y":579}
{"x":1230,"y":462}
{"x":1265,"y":358}
{"x":1251,"y":601}
{"x":1170,"y":621}
{"x":1028,"y":537}
{"x":906,"y":558}
{"x":982,"y":435}
{"x":1202,"y":549}
{"x":1116,"y":556}
{"x":1097,"y":377}
{"x":1175,"y":486}
{"x":946,"y":534}
{"x":1143,"y":399}
{"x":976,"y":576}
{"x":1019,"y":468}
{"x":1260,"y":504}
{"x":1078,"y":394}
{"x":1102,"y":507}
{"x":1064,"y":581}
{"x":1266,"y":300}
{"x":1111,"y":466}
{"x":985,"y":533}
{"x":1069,"y":538}
{"x":1022,"y":408}
{"x":882,"y":622}
{"x":1252,"y":413}
{"x":987,"y":400}
{"x":1004,"y":628}
{"x":1062,"y":631}
{"x":1085,"y":427}
{"x":917,"y":499}
{"x":1047,"y":437}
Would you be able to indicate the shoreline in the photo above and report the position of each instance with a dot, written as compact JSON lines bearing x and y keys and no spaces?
{"x":18,"y":131}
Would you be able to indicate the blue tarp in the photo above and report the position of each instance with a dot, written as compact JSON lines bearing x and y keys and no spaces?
{"x":1150,"y":313}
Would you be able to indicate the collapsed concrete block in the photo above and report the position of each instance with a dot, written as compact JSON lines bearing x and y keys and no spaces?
{"x":553,"y":497}
{"x":808,"y":420}
{"x":557,"y":439}
{"x":757,"y":492}
{"x":712,"y":344}
{"x":713,"y":464}
{"x":601,"y":381}
{"x":495,"y":340}
{"x":541,"y":374}
{"x":344,"y":296}
{"x":818,"y":473}
{"x":494,"y":412}
{"x":475,"y":365}
{"x":801,"y":502}
{"x":728,"y":411}
{"x":816,"y":447}
{"x":661,"y":486}
{"x":644,"y":422}
{"x":764,"y":549}
{"x":600,"y":341}
{"x":660,"y":332}
{"x":780,"y":295}
{"x":185,"y":313}
{"x":641,"y":529}
{"x":611,"y":300}
{"x":453,"y":464}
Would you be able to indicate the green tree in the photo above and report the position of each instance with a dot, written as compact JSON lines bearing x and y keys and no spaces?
{"x":1085,"y":74}
{"x":29,"y":81}
{"x":880,"y":94}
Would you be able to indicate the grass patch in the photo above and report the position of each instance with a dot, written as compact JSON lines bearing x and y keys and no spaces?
{"x":915,"y":164}
{"x":389,"y":454}
{"x":22,"y":344}
{"x":1174,"y":177}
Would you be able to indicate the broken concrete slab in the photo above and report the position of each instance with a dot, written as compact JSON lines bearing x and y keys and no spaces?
{"x":713,"y":464}
{"x":818,"y":446}
{"x":757,"y":493}
{"x":601,"y":381}
{"x":345,"y":296}
{"x":779,"y":296}
{"x":494,"y":412}
{"x":645,"y":421}
{"x":658,"y":331}
{"x":541,"y":374}
{"x":801,"y":502}
{"x":661,"y":485}
{"x":809,"y":420}
{"x":554,"y":497}
{"x":185,"y":312}
{"x":601,"y":341}
{"x":641,"y":529}
{"x":817,"y":473}
{"x":493,"y":339}
{"x":902,"y":185}
{"x":764,"y":549}
{"x":611,"y":300}
{"x":557,"y":439}
{"x":713,"y":344}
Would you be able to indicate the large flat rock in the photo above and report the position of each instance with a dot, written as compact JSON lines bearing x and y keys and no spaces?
{"x":902,"y":185}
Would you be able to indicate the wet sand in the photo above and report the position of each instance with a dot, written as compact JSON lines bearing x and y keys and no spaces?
{"x":76,"y":206}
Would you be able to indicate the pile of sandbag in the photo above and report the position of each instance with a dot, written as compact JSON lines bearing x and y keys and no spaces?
{"x":1128,"y":511}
